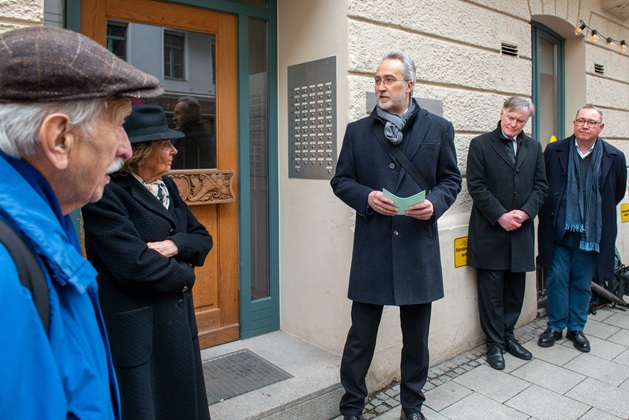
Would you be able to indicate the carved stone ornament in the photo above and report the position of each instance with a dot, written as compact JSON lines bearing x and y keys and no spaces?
{"x":204,"y":186}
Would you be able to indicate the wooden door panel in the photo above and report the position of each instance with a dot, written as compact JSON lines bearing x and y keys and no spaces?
{"x":215,"y":292}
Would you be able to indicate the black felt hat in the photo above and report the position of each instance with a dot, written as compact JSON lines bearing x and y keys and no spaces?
{"x":45,"y":64}
{"x":148,"y":123}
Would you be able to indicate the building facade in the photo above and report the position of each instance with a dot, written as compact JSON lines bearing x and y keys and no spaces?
{"x":288,"y":239}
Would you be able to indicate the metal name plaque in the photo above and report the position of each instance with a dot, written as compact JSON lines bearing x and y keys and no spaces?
{"x":312,"y":119}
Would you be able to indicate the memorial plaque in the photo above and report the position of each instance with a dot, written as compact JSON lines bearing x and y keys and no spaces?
{"x":312,"y":119}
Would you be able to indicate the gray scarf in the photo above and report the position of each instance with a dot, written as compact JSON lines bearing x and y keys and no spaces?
{"x":395,"y":122}
{"x":585,"y":216}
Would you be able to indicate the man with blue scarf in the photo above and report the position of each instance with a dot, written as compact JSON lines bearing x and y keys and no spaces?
{"x":63,"y":100}
{"x":577,"y":223}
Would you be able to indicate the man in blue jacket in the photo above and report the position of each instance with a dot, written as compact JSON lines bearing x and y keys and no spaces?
{"x":577,"y":223}
{"x":63,"y":99}
{"x":396,"y":258}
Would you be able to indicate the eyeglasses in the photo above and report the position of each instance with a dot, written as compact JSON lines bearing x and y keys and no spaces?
{"x":591,"y":123}
{"x":388,"y":81}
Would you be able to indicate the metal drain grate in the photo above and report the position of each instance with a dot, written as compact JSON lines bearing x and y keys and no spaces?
{"x":237,"y":373}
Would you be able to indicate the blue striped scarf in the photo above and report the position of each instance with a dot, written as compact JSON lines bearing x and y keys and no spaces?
{"x":583,"y":202}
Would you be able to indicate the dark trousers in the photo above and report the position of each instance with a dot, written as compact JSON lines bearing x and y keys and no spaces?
{"x":500,"y":297}
{"x":359,"y":350}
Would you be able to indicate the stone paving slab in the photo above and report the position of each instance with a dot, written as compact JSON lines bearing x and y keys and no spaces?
{"x":602,"y":396}
{"x":478,"y":406}
{"x":597,"y":368}
{"x":549,"y":376}
{"x":547,"y":405}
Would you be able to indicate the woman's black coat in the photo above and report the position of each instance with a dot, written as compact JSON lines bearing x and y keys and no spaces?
{"x":146,"y":298}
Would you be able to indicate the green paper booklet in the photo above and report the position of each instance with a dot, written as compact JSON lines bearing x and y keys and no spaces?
{"x":403,"y":203}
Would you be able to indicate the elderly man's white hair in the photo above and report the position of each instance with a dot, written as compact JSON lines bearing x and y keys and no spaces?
{"x":20,"y":122}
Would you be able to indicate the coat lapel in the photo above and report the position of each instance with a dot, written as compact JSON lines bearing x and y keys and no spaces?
{"x":423,"y":126}
{"x":498,"y":145}
{"x":145,"y":198}
{"x":606,"y":162}
{"x":410,"y":147}
{"x":523,"y":151}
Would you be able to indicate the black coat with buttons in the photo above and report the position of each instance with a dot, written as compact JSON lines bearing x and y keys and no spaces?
{"x":146,"y":298}
{"x":498,"y":184}
{"x":396,"y":260}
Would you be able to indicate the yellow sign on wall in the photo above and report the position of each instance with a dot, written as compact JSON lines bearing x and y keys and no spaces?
{"x":624,"y":213}
{"x":460,"y":252}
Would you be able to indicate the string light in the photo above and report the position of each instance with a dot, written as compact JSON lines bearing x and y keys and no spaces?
{"x":595,"y":35}
{"x":579,"y":29}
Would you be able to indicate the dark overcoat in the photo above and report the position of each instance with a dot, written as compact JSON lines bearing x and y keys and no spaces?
{"x":612,"y":178}
{"x":396,"y":260}
{"x":146,"y":298}
{"x":196,"y":150}
{"x":498,"y":185}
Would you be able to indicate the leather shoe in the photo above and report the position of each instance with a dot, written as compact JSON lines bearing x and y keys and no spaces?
{"x":548,"y":338}
{"x":495,"y":358}
{"x":514,"y":347}
{"x":353,"y":417}
{"x":580,"y":342}
{"x":412,"y":416}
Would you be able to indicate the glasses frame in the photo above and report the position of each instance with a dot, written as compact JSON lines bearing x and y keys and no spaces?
{"x":387,"y":81}
{"x":591,"y":123}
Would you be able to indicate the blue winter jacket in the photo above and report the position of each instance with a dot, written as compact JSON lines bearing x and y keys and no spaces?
{"x":69,"y":373}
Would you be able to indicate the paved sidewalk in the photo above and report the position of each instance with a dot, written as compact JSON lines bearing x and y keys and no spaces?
{"x":559,"y":383}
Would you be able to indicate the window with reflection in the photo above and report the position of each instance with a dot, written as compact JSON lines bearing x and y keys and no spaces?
{"x":174,"y":53}
{"x":117,"y":38}
{"x":187,"y":72}
{"x":258,"y":158}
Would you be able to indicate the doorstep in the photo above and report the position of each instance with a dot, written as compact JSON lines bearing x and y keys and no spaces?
{"x":312,"y":392}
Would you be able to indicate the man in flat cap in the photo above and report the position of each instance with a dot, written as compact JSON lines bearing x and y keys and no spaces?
{"x":63,"y":100}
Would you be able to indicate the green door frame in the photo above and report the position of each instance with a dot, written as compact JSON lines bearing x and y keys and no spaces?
{"x":538,"y":30}
{"x":262,"y":315}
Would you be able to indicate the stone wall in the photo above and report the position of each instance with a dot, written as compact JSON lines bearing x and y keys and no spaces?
{"x":17,"y":13}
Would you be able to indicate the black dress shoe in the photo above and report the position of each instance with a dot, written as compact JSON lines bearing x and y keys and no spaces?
{"x":412,"y":416}
{"x":548,"y":338}
{"x":514,"y":347}
{"x":495,"y":358}
{"x":580,"y":342}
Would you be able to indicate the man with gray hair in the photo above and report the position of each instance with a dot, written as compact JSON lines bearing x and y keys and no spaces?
{"x":198,"y":149}
{"x":63,"y":100}
{"x":507,"y":182}
{"x":403,"y":149}
{"x":587,"y":178}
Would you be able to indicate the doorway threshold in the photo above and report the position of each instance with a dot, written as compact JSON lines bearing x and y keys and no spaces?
{"x":307,"y":387}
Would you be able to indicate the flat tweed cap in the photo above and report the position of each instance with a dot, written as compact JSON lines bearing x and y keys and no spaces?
{"x":46,"y":64}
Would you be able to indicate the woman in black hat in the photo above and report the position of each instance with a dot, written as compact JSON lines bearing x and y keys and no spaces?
{"x":145,"y":242}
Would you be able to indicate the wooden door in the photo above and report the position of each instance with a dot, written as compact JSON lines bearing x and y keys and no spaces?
{"x":210,"y":192}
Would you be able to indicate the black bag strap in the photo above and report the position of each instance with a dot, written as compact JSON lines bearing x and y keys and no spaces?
{"x":396,"y":154}
{"x":29,"y":270}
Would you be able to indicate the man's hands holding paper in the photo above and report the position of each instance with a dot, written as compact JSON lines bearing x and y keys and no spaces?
{"x":385,"y":206}
{"x":421,"y":211}
{"x":381,"y":204}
